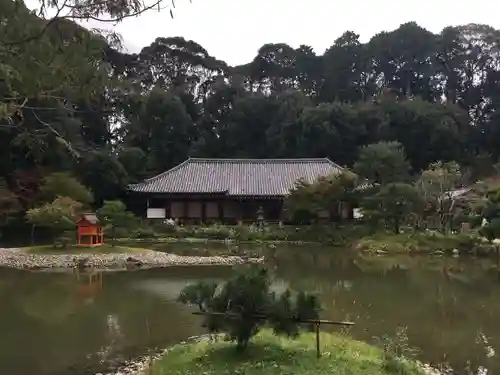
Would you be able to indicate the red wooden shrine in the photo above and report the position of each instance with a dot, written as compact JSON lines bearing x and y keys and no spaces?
{"x":89,"y":231}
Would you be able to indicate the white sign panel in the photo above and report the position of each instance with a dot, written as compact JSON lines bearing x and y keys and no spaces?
{"x":156,"y":213}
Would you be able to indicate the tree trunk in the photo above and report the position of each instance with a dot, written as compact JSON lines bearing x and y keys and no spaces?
{"x":113,"y":236}
{"x":497,"y":248}
{"x":32,"y":234}
{"x":396,"y":226}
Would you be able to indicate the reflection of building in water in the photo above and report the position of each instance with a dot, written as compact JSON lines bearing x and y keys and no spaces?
{"x":89,"y":286}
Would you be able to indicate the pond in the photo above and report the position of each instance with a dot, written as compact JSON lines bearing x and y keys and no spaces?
{"x":58,"y":324}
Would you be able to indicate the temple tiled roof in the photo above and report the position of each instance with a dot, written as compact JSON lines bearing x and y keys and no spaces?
{"x":237,"y":177}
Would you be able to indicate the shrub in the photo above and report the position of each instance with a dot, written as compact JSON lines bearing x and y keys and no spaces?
{"x":144,"y":233}
{"x":64,"y":240}
{"x":245,"y":303}
{"x":118,"y":232}
{"x":467,"y":243}
{"x":59,"y":216}
{"x":214,"y":232}
{"x":398,"y":353}
{"x":115,"y":216}
{"x":164,"y":227}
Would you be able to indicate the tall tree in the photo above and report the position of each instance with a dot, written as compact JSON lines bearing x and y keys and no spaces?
{"x":383,"y":163}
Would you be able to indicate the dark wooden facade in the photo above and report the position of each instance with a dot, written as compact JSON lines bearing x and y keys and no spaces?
{"x":207,"y":208}
{"x":226,"y":190}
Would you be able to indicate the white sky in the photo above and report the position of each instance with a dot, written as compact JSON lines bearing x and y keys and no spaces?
{"x":233,"y":30}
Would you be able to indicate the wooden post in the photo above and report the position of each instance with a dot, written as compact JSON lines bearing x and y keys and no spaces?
{"x":497,"y":248}
{"x":318,"y":352}
{"x":239,"y":214}
{"x":203,"y":211}
{"x":186,"y":210}
{"x":316,"y":322}
{"x":220,"y":211}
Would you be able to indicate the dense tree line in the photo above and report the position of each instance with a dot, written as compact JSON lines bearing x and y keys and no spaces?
{"x":112,"y":118}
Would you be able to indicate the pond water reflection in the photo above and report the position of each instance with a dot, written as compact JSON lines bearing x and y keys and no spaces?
{"x":56,"y":324}
{"x":450,"y":307}
{"x":52,"y":324}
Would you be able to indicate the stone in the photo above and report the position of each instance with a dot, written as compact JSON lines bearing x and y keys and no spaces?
{"x":465,"y":228}
{"x":14,"y":258}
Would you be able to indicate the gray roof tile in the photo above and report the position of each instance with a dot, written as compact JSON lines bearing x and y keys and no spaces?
{"x":90,"y":217}
{"x":237,"y":177}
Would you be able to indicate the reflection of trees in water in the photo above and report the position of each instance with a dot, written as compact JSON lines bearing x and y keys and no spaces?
{"x":52,"y":326}
{"x":443,"y":303}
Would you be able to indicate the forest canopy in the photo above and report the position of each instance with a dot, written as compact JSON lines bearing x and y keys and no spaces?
{"x":71,"y":102}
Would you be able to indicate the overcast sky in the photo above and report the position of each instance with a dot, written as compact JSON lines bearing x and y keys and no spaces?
{"x":233,"y":30}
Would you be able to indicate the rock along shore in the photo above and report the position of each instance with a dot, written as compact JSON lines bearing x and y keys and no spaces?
{"x":16,"y":258}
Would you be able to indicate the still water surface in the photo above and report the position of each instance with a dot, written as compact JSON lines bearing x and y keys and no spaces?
{"x":52,"y":324}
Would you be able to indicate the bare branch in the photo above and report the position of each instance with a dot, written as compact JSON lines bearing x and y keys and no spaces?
{"x":44,"y":29}
{"x":78,"y":12}
{"x":59,"y":138}
{"x":117,"y":19}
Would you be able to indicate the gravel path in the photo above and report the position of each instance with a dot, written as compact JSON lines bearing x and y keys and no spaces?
{"x":16,"y":258}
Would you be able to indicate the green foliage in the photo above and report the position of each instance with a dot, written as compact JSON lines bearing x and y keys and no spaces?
{"x":144,"y":233}
{"x":393,"y":204}
{"x":59,"y":216}
{"x":274,"y":355}
{"x":103,"y":173}
{"x":163,"y":114}
{"x":440,"y":178}
{"x":114,"y":215}
{"x":436,"y":185}
{"x":326,"y":234}
{"x":64,"y":185}
{"x":397,"y":352}
{"x":491,"y":231}
{"x":491,"y":204}
{"x":424,"y":242}
{"x":45,"y":62}
{"x":9,"y":203}
{"x":60,"y":213}
{"x":398,"y":346}
{"x":308,"y":202}
{"x":383,"y":162}
{"x":64,"y":87}
{"x":247,"y":303}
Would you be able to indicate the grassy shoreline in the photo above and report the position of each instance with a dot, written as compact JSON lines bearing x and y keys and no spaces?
{"x":349,"y":240}
{"x":272,"y":355}
{"x":417,"y":243}
{"x":196,"y":240}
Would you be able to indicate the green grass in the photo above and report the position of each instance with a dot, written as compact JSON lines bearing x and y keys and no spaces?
{"x":72,"y":249}
{"x":420,"y":242}
{"x":272,"y":355}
